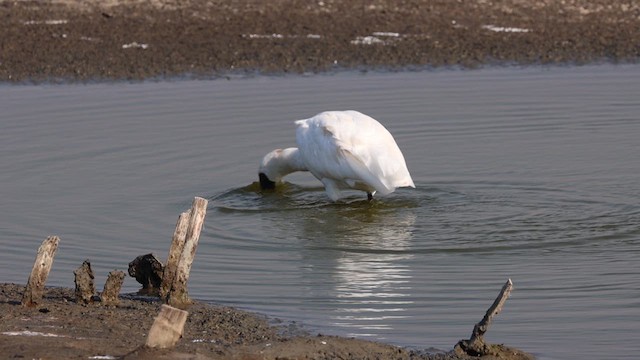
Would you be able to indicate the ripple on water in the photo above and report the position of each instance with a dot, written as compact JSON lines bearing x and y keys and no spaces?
{"x":455,"y":216}
{"x":292,"y":197}
{"x":489,"y":217}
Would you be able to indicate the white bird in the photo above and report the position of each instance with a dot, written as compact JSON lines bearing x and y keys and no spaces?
{"x":344,"y":150}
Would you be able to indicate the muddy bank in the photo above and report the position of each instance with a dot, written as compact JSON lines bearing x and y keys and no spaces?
{"x":61,"y":328}
{"x":81,"y":40}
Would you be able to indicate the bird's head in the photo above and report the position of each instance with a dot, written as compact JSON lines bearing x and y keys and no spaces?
{"x":265,"y":183}
{"x":268,"y":173}
{"x":276,"y":164}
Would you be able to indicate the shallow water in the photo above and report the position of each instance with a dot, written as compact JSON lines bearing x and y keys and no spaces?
{"x":529,"y":174}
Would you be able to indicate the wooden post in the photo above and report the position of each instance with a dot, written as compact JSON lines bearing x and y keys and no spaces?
{"x":41,"y":267}
{"x":177,"y":245}
{"x":167,"y":327}
{"x":476,"y":345}
{"x":112,"y":288}
{"x":177,"y":295}
{"x":85,"y":286}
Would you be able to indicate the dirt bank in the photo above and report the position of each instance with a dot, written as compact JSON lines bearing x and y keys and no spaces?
{"x":60,"y":328}
{"x":82,"y":40}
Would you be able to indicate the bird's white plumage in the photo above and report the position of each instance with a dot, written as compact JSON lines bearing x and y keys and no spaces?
{"x":347,"y":150}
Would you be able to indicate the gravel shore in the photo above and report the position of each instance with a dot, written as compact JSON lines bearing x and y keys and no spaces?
{"x":61,"y":328}
{"x":88,"y":40}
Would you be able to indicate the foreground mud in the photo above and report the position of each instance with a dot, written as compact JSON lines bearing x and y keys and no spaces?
{"x":60,"y":328}
{"x":79,"y":40}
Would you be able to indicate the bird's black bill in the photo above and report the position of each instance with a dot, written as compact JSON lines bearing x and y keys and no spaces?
{"x":265,"y":183}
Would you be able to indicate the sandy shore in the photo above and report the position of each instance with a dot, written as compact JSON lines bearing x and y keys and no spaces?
{"x":80,"y":40}
{"x":61,"y":328}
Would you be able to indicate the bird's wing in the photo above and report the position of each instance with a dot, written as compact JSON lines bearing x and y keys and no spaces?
{"x":374,"y":145}
{"x":320,"y":149}
{"x":350,"y":146}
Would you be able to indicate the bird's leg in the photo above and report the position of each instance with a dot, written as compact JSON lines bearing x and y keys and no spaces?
{"x":369,"y":196}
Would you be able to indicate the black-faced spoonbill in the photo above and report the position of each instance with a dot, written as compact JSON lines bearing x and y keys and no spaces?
{"x":344,"y":150}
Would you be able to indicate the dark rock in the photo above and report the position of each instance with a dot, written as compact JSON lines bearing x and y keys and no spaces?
{"x":147,"y":270}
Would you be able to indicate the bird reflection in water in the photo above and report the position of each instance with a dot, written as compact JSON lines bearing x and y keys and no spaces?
{"x":370,"y":274}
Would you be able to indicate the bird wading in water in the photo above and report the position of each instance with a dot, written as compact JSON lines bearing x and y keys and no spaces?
{"x":344,"y":150}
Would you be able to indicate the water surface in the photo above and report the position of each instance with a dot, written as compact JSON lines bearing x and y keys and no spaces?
{"x":529,"y":174}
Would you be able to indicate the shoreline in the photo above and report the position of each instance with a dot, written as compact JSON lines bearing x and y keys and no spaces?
{"x":87,"y":40}
{"x":69,"y":329}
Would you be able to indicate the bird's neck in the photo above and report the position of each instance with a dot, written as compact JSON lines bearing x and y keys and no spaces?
{"x":287,"y":162}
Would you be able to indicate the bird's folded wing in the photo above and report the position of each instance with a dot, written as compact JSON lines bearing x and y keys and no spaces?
{"x":352,"y":153}
{"x":365,"y":172}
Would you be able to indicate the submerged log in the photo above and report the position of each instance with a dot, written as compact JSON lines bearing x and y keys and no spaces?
{"x":112,"y":288}
{"x":85,"y":286}
{"x":167,"y":327}
{"x":147,"y":270}
{"x":177,"y":294}
{"x":40,"y":271}
{"x":476,"y":346}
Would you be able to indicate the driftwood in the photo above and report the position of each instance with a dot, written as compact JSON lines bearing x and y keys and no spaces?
{"x":85,"y":286}
{"x":112,"y":288}
{"x":41,"y":267}
{"x":147,"y":270}
{"x":175,"y":283}
{"x":175,"y":251}
{"x":167,"y":327}
{"x":476,"y":346}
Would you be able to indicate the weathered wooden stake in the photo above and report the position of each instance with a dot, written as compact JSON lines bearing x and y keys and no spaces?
{"x":177,"y":245}
{"x":177,"y":295}
{"x":85,"y":286}
{"x":167,"y":327}
{"x":112,"y":288}
{"x":41,"y":267}
{"x":476,"y":345}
